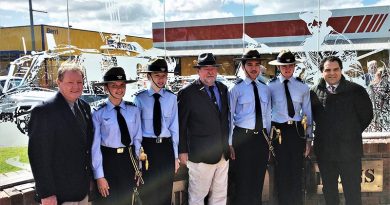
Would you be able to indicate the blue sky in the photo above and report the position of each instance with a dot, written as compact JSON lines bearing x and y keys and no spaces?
{"x":136,"y":16}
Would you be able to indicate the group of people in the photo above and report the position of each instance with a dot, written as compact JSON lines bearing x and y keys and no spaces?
{"x":222,"y":135}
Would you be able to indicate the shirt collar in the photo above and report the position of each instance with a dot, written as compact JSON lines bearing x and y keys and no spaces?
{"x":71,"y":104}
{"x":281,"y":78}
{"x":249,"y":81}
{"x":111,"y":106}
{"x":151,"y":92}
{"x":335,"y":86}
{"x":207,"y":87}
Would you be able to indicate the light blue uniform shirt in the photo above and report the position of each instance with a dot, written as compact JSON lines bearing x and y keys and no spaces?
{"x":242,"y":106}
{"x":169,"y":122}
{"x":108,"y":134}
{"x":300,"y":96}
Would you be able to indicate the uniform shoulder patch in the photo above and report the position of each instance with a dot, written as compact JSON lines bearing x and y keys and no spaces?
{"x":169,"y":91}
{"x":299,"y":79}
{"x":139,"y":92}
{"x":260,"y":81}
{"x":272,"y":79}
{"x":129,"y":103}
{"x":101,"y":105}
{"x":238,"y":81}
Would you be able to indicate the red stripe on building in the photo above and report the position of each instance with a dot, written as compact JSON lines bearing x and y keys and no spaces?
{"x":232,"y":31}
{"x":381,"y":23}
{"x":373,"y":21}
{"x":354,"y":24}
{"x":254,"y":30}
{"x":365,"y":23}
{"x":277,"y":29}
{"x":377,"y":22}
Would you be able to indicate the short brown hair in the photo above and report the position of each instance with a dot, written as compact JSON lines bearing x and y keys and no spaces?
{"x":330,"y":59}
{"x":66,"y":66}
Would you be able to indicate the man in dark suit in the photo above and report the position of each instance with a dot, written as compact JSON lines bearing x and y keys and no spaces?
{"x":203,"y":134}
{"x":342,"y":110}
{"x":59,"y":147}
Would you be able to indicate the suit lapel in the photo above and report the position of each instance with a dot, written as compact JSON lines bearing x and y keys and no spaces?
{"x":205,"y":95}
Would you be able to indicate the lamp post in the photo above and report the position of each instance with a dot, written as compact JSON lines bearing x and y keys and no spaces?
{"x":32,"y":24}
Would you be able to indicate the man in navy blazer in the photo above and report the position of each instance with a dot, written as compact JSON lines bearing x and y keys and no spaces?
{"x":60,"y":139}
{"x":203,"y":134}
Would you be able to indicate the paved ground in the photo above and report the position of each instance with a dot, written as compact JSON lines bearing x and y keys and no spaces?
{"x":10,"y":136}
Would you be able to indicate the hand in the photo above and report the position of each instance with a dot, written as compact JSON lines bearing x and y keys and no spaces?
{"x":51,"y":200}
{"x":103,"y":187}
{"x":183,"y":157}
{"x":307,"y":149}
{"x":232,"y":153}
{"x":176,"y":165}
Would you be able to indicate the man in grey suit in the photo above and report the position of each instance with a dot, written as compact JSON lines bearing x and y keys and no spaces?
{"x":203,"y":133}
{"x":59,"y":147}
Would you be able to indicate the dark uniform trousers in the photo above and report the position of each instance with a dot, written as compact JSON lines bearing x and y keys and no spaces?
{"x":119,"y":174}
{"x":350,"y":174}
{"x":157,"y":189}
{"x":289,"y":162}
{"x":248,"y":170}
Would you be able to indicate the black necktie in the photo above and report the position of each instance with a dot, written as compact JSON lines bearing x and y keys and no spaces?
{"x":259,"y":119}
{"x":80,"y":119}
{"x":213,"y":98}
{"x":157,"y":115}
{"x":125,"y":136}
{"x":332,"y":89}
{"x":290,"y":106}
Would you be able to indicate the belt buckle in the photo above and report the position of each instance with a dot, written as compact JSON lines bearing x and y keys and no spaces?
{"x":159,"y":140}
{"x":290,"y":122}
{"x":119,"y":150}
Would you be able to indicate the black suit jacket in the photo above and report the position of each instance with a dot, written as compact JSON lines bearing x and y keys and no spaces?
{"x":340,"y":120}
{"x":203,"y":129}
{"x":59,"y":150}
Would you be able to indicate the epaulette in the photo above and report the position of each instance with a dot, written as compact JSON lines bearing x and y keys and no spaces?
{"x":129,"y":103}
{"x":169,"y":91}
{"x":273,"y":79}
{"x":100,"y":106}
{"x":299,"y":79}
{"x":238,"y":81}
{"x":260,"y":81}
{"x":139,"y":92}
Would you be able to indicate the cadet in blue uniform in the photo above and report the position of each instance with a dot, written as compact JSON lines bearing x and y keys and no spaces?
{"x":117,"y":126}
{"x":290,"y":102}
{"x":160,"y":130}
{"x":250,"y":108}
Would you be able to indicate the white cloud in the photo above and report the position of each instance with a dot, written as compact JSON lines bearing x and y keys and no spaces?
{"x":382,"y":3}
{"x":198,"y":6}
{"x":136,"y":16}
{"x":203,"y":15}
{"x":282,"y":6}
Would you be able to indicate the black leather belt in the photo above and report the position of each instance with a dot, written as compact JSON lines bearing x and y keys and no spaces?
{"x":247,"y":131}
{"x":157,"y":140}
{"x":119,"y":150}
{"x":289,"y":122}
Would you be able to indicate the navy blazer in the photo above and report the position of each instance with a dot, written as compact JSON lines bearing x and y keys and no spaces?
{"x":203,"y":129}
{"x":59,"y":151}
